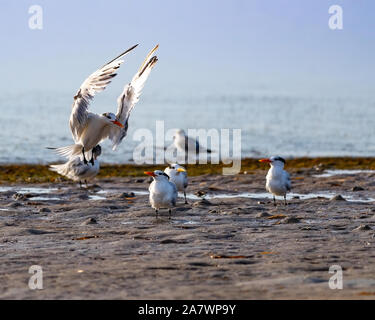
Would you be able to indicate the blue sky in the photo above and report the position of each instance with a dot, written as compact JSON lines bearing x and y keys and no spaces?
{"x":282,"y":45}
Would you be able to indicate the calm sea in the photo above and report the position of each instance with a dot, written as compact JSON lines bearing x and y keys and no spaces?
{"x":287,"y":125}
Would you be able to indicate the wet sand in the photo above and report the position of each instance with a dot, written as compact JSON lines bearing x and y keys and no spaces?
{"x":106,"y":243}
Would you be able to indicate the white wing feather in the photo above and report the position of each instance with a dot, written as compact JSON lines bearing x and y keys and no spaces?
{"x":130,"y":96}
{"x":96,"y":82}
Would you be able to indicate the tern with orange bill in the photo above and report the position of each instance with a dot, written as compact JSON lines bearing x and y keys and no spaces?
{"x":277,"y":180}
{"x":178,"y":176}
{"x":89,"y":129}
{"x":163,"y":193}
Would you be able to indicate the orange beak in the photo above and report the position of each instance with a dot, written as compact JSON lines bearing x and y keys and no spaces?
{"x":150,"y":173}
{"x":265,"y":160}
{"x":118,"y":123}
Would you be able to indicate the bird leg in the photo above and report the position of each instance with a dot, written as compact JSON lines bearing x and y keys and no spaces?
{"x":92,"y":157}
{"x":185,"y":197}
{"x":274,"y":201}
{"x":170,"y":213}
{"x":285,"y":200}
{"x":156,"y":213}
{"x":80,"y":184}
{"x":83,"y":153}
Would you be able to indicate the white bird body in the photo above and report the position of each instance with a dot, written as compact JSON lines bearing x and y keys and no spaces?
{"x":186,"y":144}
{"x":89,"y":129}
{"x":181,"y":143}
{"x":178,"y":176}
{"x":78,"y":170}
{"x":95,"y":131}
{"x":277,"y":180}
{"x":163,"y":193}
{"x":75,"y":169}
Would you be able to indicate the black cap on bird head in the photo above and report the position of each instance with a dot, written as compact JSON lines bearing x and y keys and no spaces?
{"x":278,"y":158}
{"x":97,"y":150}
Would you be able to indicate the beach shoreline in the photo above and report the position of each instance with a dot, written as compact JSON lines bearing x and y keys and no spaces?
{"x":104,"y":242}
{"x":39,"y":173}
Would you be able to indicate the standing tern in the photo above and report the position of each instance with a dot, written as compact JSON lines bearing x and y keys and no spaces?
{"x":185,"y":144}
{"x":89,"y":129}
{"x":178,"y":176}
{"x":277,"y":180}
{"x":163,"y":193}
{"x":77,"y":170}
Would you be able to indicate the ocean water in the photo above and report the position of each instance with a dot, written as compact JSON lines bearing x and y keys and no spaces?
{"x":289,"y":125}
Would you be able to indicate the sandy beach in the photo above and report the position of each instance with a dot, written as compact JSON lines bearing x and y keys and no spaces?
{"x":237,"y":87}
{"x":228,"y":242}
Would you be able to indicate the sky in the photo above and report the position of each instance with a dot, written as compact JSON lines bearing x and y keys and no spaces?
{"x":237,"y":45}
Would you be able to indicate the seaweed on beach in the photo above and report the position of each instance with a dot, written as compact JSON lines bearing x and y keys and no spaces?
{"x":36,"y":173}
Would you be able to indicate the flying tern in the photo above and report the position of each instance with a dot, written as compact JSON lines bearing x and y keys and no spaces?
{"x":89,"y":129}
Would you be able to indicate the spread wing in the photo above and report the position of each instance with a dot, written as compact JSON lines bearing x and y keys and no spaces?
{"x":96,"y":82}
{"x":130,"y":96}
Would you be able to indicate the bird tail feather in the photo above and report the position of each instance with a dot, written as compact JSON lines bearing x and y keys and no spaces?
{"x":69,"y":151}
{"x":59,"y":168}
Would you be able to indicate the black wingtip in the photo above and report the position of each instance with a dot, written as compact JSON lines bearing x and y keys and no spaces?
{"x":128,"y":50}
{"x":151,"y":63}
{"x":122,"y":54}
